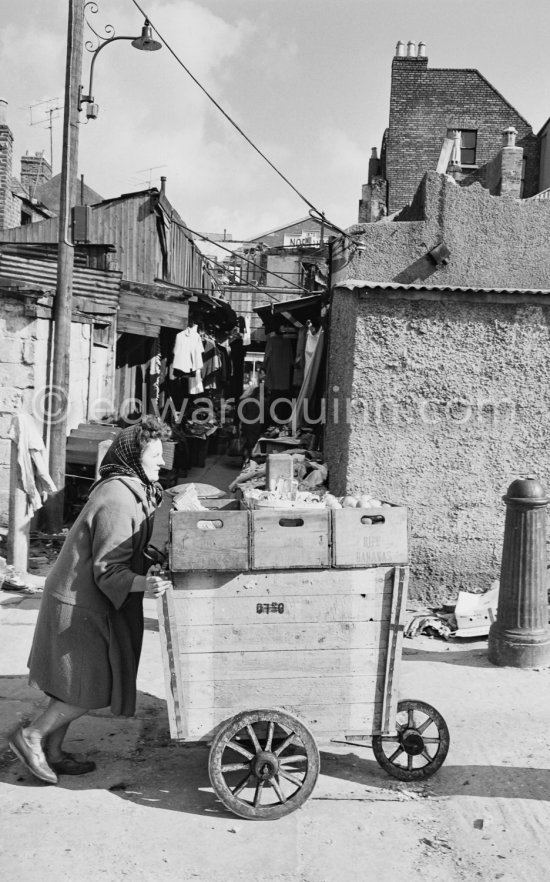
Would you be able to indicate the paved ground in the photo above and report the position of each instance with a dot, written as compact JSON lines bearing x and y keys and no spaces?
{"x":148,"y":812}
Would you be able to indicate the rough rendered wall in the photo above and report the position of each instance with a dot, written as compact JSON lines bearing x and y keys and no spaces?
{"x":494,"y":241}
{"x":450,"y":403}
{"x":405,"y":360}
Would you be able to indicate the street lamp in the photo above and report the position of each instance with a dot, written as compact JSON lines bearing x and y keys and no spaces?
{"x":62,"y":312}
{"x":145,"y":42}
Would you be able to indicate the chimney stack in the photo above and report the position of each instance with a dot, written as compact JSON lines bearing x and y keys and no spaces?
{"x":9,"y":214}
{"x":35,"y":170}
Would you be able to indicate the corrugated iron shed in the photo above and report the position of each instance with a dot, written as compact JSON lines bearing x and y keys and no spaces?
{"x":96,"y":291}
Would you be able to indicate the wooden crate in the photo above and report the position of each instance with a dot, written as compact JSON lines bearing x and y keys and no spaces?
{"x":290,"y":539}
{"x":83,"y":442}
{"x":192,"y":547}
{"x":322,"y":644}
{"x":369,"y":537}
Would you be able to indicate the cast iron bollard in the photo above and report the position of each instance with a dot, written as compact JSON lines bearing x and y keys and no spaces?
{"x":520,"y":637}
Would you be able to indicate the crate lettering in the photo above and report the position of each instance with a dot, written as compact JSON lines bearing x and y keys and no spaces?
{"x":273,"y":607}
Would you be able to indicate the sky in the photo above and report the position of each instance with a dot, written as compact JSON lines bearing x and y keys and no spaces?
{"x":308,"y":81}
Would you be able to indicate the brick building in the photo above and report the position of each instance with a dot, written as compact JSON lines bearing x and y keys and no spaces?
{"x":18,"y":202}
{"x":428,"y":105}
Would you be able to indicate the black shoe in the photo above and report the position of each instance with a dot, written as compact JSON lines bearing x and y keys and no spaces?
{"x":70,"y":765}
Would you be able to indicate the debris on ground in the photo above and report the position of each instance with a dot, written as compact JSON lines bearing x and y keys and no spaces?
{"x":472,"y":616}
{"x":475,"y":613}
{"x":432,"y":625}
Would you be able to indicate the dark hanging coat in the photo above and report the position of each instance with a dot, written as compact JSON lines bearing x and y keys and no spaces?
{"x":89,"y":632}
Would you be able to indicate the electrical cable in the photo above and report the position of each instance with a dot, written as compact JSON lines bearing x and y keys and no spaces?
{"x":313,"y":211}
{"x":241,"y":257}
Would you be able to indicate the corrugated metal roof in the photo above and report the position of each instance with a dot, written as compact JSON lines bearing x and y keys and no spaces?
{"x":398,"y":286}
{"x":99,"y":286}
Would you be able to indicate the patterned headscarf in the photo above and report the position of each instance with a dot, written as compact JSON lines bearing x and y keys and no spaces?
{"x":124,"y":458}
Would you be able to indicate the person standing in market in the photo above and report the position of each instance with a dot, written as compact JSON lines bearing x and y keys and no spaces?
{"x":89,"y":632}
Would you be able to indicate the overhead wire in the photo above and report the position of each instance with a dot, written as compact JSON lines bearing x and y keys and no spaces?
{"x":240,"y":257}
{"x":313,"y":210}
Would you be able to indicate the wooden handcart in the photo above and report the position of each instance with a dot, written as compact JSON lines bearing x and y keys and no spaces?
{"x":284,"y":629}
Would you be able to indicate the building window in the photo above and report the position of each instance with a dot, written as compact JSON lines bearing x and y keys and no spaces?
{"x":101,"y":334}
{"x":468,"y":144}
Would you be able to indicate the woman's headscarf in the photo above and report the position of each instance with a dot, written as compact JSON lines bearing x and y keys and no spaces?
{"x":124,"y":458}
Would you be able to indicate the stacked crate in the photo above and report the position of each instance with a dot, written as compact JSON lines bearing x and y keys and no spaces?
{"x":297,"y":609}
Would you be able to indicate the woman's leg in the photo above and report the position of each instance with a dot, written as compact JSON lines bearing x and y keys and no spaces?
{"x":27,"y":743}
{"x":53,"y":744}
{"x":54,"y":721}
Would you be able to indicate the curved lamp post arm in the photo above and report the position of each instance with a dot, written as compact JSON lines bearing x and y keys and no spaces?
{"x":89,"y":98}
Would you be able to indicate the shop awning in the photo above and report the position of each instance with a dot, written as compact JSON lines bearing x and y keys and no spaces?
{"x":146,"y":308}
{"x":214,"y":310}
{"x":294,"y":312}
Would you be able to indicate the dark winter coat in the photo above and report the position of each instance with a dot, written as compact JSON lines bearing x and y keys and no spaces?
{"x":89,"y":630}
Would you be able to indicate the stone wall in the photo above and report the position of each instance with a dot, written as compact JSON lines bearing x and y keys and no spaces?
{"x":448,"y":390}
{"x":24,"y":358}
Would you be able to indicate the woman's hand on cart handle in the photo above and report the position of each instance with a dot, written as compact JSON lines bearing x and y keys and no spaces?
{"x":156,"y":582}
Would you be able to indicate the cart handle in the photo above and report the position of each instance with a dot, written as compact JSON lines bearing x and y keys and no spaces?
{"x":291,"y":522}
{"x":215,"y":523}
{"x":368,"y":520}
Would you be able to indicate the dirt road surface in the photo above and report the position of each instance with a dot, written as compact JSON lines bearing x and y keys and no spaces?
{"x":148,"y":811}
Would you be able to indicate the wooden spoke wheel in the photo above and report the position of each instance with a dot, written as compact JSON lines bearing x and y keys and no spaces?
{"x":263,"y":764}
{"x":419,"y":747}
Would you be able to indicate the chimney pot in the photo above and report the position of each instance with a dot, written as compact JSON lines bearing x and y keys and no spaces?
{"x":421,"y":50}
{"x":509,"y":136}
{"x":400,"y":49}
{"x":411,"y":49}
{"x":163,"y":184}
{"x":3,"y":112}
{"x":374,"y":153}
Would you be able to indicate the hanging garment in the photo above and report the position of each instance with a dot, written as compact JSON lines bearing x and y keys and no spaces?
{"x":237,"y":366}
{"x":312,"y":340}
{"x":211,"y":363}
{"x":307,"y":392}
{"x":278,"y":362}
{"x":247,"y":335}
{"x":195,"y":383}
{"x":35,"y":477}
{"x":299,"y":364}
{"x":188,"y":350}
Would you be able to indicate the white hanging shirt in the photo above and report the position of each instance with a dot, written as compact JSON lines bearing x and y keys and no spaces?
{"x":188,"y":351}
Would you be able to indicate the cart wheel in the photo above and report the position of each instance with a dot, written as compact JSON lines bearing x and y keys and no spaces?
{"x":263,"y":764}
{"x":420,"y":746}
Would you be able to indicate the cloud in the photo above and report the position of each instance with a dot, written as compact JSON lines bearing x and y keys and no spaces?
{"x":154,"y":120}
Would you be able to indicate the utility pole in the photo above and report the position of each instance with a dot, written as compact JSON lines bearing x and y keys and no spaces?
{"x":62,"y":312}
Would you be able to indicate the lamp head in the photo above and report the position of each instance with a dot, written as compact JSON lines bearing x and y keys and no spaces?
{"x":146,"y":41}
